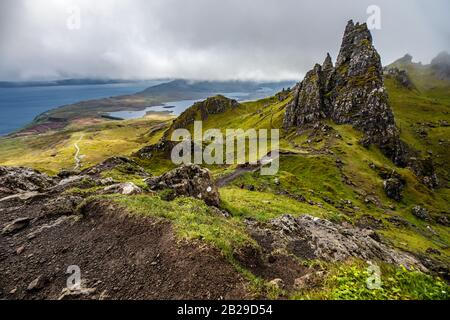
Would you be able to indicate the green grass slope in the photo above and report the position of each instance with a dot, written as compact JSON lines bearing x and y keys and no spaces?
{"x":324,"y":173}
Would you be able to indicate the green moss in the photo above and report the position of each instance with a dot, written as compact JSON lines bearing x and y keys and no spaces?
{"x":343,"y":69}
{"x":349,"y":282}
{"x":365,"y":43}
{"x":264,"y":206}
{"x":83,"y":192}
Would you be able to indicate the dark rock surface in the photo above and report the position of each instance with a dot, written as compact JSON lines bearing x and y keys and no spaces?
{"x":313,"y":238}
{"x":393,"y":187}
{"x":16,"y":225}
{"x":309,"y":95}
{"x":188,"y":180}
{"x":14,"y":180}
{"x":421,"y":213}
{"x":401,"y":76}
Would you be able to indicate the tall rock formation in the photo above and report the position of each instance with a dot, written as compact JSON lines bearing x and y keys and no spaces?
{"x":309,"y":95}
{"x":353,"y":93}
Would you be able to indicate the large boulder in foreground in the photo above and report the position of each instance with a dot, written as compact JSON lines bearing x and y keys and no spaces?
{"x":188,"y":180}
{"x":312,"y":238}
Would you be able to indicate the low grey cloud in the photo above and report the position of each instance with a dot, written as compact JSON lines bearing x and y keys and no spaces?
{"x":203,"y":39}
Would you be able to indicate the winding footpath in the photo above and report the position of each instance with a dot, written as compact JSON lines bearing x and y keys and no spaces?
{"x":77,"y":154}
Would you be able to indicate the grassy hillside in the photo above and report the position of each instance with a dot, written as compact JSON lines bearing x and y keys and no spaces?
{"x":325,"y":173}
{"x":423,"y":115}
{"x":98,"y":140}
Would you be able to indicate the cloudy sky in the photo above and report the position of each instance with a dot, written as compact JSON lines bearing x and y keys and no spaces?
{"x":202,"y":39}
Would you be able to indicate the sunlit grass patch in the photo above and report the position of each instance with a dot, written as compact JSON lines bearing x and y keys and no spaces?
{"x":348,"y":281}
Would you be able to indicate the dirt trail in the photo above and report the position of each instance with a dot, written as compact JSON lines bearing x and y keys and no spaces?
{"x":77,"y":154}
{"x":223,"y":181}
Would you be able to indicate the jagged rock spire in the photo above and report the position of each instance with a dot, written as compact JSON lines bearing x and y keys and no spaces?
{"x":327,"y":74}
{"x":328,"y":63}
{"x":353,"y":93}
{"x":353,"y":35}
{"x":309,"y":96}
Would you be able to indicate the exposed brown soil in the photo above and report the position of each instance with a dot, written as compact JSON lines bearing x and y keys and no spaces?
{"x":121,"y":256}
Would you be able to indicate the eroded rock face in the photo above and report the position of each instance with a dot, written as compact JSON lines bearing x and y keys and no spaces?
{"x":352,"y":93}
{"x":313,"y":238}
{"x":401,"y":76}
{"x":393,"y":187}
{"x":188,"y":180}
{"x":309,"y":95}
{"x":15,"y":180}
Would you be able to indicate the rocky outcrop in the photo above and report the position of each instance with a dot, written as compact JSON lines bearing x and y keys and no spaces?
{"x":393,"y":182}
{"x":63,"y":205}
{"x":16,"y":226}
{"x":201,"y":111}
{"x":188,"y":180}
{"x":352,"y":93}
{"x":424,"y":169}
{"x":400,"y":76}
{"x":309,"y":95}
{"x":312,"y":238}
{"x":393,"y":187}
{"x":16,"y":180}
